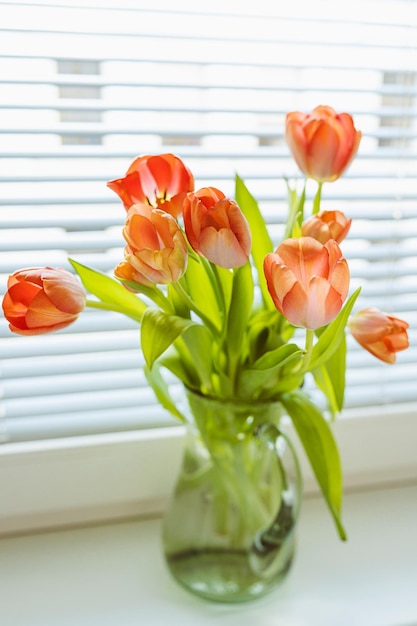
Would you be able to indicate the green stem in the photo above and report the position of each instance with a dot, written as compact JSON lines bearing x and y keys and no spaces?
{"x":237,"y":481}
{"x":308,"y":348}
{"x":159,"y":299}
{"x":317,"y":199}
{"x":219,"y":290}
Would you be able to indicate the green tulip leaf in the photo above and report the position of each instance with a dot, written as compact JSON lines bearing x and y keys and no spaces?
{"x":161,"y":391}
{"x":331,"y":337}
{"x":176,"y":365}
{"x":158,"y":331}
{"x":278,"y":357}
{"x":240,"y":308}
{"x":261,"y":241}
{"x":111,"y":294}
{"x":199,"y":344}
{"x":201,"y":289}
{"x":266,"y":373}
{"x":321,"y":449}
{"x":330,"y":378}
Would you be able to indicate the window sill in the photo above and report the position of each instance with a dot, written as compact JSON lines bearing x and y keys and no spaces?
{"x":63,"y":482}
{"x":115,"y":573}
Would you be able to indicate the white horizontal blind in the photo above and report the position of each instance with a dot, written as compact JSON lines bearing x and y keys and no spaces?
{"x":85,"y":87}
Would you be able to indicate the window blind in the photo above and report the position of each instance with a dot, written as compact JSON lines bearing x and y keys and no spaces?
{"x":86,"y":87}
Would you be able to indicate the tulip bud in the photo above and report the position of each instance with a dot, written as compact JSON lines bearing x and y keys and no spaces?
{"x":156,"y":247}
{"x":216,"y":228}
{"x":42,"y":300}
{"x":323,"y":143}
{"x":308,"y":281}
{"x":161,"y":181}
{"x":381,"y":334}
{"x":326,"y":225}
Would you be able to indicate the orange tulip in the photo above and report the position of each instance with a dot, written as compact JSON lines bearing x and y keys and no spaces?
{"x":42,"y":300}
{"x":326,"y":225}
{"x":308,"y":281}
{"x":156,"y":247}
{"x":161,"y":181}
{"x":216,"y":228}
{"x":323,"y":143}
{"x":379,"y":333}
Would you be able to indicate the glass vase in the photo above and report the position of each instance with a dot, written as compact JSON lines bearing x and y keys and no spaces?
{"x":229,"y":531}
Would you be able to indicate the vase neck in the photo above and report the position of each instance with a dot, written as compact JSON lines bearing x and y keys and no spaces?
{"x":227,"y":420}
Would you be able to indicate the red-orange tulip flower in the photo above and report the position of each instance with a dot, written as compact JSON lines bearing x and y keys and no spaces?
{"x":323,"y":143}
{"x":381,"y":334}
{"x":216,"y":228}
{"x":161,"y":181}
{"x":326,"y":225}
{"x":42,"y":300}
{"x":156,"y":247}
{"x":308,"y":281}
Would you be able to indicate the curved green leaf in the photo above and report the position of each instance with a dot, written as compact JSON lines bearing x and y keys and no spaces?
{"x":200,"y":286}
{"x":330,"y":378}
{"x":321,"y":449}
{"x":329,"y":340}
{"x":161,"y":391}
{"x":240,"y":308}
{"x":265,"y":378}
{"x":278,"y":357}
{"x":158,"y":331}
{"x":199,"y":344}
{"x":261,"y":241}
{"x":111,"y":294}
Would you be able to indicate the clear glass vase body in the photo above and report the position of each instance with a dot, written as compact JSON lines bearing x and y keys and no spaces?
{"x":229,"y":531}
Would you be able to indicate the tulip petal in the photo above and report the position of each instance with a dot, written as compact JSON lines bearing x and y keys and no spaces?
{"x":222,"y":248}
{"x":294,"y":306}
{"x":347,"y":149}
{"x":43,"y":313}
{"x":129,"y":189}
{"x":280,"y":279}
{"x":381,"y":351}
{"x":305,"y":256}
{"x":297,"y":143}
{"x":65,"y":293}
{"x":323,"y":151}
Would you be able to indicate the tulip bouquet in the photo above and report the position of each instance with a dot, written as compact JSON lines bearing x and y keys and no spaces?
{"x":220,"y":305}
